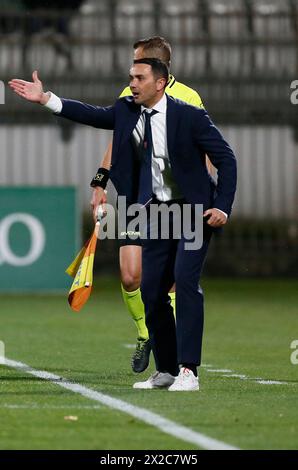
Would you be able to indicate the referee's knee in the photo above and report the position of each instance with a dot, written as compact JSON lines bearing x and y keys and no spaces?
{"x":130,"y":281}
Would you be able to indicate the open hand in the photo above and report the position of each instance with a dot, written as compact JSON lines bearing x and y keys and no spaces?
{"x":31,"y":91}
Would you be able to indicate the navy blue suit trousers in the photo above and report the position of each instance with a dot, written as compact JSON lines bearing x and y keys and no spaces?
{"x":163,"y":263}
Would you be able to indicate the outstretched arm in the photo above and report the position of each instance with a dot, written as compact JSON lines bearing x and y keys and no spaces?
{"x":96,"y":116}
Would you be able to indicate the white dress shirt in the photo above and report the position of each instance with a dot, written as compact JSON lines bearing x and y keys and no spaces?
{"x":54,"y":104}
{"x":163,"y":185}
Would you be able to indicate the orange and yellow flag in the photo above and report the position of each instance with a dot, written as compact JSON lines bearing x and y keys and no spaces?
{"x":82,"y":270}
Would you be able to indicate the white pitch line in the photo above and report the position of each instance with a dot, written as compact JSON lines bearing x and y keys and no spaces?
{"x":271,"y":382}
{"x":237,"y":376}
{"x":229,"y":373}
{"x":49,"y":407}
{"x":153,"y":419}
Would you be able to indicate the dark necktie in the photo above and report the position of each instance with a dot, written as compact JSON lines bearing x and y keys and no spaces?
{"x":145,"y":181}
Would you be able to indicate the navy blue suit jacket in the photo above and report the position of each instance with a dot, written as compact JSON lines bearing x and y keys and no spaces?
{"x":190,"y":135}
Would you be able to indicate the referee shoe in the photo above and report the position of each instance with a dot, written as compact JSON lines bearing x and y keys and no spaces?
{"x":140,"y":358}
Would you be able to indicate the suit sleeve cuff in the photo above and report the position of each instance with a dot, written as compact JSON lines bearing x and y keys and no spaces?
{"x":54,"y":104}
{"x":222,"y":212}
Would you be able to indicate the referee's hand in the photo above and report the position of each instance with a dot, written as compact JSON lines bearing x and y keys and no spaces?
{"x":216,"y":218}
{"x":99,"y":197}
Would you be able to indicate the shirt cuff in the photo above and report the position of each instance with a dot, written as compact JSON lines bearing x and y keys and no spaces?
{"x":221,"y":212}
{"x":54,"y":104}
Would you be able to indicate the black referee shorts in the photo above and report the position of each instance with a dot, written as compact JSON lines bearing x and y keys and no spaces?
{"x":129,"y":237}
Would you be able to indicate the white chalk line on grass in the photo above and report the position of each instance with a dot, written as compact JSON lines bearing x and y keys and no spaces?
{"x":229,"y":373}
{"x":153,"y":419}
{"x":271,"y":382}
{"x":236,"y":376}
{"x":36,"y":406}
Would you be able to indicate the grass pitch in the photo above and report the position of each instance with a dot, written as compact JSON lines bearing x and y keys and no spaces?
{"x":249,"y":328}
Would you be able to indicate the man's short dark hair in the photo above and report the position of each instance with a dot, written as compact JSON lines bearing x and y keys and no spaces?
{"x":159,"y":68}
{"x":157,"y":47}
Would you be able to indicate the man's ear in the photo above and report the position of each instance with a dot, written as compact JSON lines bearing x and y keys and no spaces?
{"x":160,"y":84}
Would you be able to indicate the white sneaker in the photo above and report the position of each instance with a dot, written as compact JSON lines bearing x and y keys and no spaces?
{"x":185,"y":381}
{"x":156,"y":380}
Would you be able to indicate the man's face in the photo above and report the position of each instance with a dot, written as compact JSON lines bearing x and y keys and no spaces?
{"x":145,"y":88}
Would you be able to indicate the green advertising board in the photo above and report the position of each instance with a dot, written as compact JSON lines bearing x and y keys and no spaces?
{"x":39,"y":236}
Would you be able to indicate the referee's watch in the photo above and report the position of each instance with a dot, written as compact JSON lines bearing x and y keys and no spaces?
{"x":100,"y":179}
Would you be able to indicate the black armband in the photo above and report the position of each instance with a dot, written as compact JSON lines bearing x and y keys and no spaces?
{"x":101,"y":178}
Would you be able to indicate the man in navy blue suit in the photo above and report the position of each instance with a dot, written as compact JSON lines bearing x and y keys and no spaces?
{"x":159,"y":149}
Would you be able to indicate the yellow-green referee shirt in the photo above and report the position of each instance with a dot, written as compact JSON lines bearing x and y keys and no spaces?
{"x":176,"y":90}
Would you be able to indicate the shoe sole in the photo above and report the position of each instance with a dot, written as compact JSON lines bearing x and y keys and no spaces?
{"x":179,"y":390}
{"x":161,"y":387}
{"x":142,"y":388}
{"x":140,"y":370}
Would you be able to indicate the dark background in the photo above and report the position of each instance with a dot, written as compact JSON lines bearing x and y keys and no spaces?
{"x":241,"y":56}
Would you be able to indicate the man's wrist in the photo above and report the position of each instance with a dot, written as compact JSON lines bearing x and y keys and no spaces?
{"x":101,"y":178}
{"x":45,"y":98}
{"x":53,"y":103}
{"x":224,"y":213}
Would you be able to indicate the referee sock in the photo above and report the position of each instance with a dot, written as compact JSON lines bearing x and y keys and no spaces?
{"x":135,"y":306}
{"x":173,"y":302}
